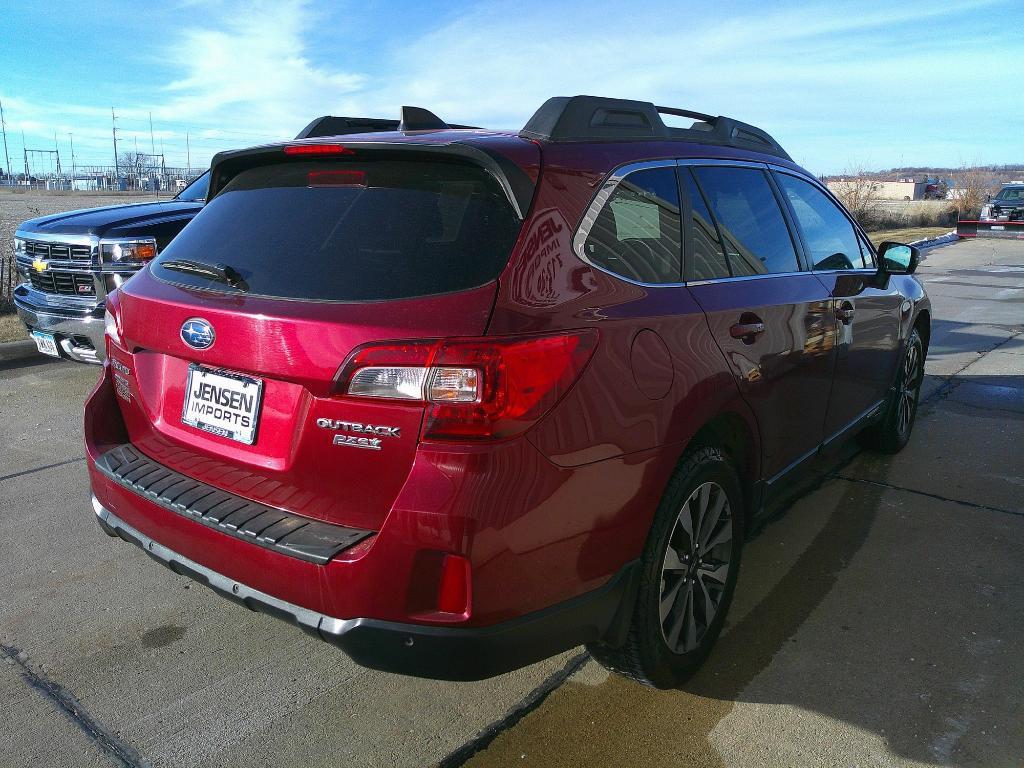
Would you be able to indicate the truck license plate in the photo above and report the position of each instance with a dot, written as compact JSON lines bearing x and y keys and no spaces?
{"x":45,"y":343}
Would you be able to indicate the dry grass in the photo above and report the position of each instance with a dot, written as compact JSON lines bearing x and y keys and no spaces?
{"x":11,"y":329}
{"x":907,"y":235}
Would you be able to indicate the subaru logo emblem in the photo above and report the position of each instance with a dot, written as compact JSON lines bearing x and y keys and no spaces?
{"x":197,"y":333}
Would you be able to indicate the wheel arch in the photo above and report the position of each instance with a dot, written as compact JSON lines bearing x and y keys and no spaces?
{"x":737,"y":436}
{"x":923,"y":325}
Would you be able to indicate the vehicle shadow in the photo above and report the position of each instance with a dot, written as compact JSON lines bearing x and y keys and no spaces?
{"x":886,"y":609}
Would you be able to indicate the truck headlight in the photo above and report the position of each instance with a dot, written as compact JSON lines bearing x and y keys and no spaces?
{"x":110,"y":327}
{"x":137,"y":251}
{"x":986,"y":211}
{"x":19,"y":244}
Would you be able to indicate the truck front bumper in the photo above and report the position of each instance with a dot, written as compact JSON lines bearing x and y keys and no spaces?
{"x":77,"y":330}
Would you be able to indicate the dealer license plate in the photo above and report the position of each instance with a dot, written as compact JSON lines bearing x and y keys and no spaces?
{"x":222,"y":403}
{"x":45,"y":343}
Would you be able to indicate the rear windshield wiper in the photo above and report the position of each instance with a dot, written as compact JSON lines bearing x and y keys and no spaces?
{"x":223,"y":273}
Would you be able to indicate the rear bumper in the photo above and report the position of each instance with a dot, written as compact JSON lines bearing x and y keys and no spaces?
{"x":443,"y":653}
{"x":78,"y":330}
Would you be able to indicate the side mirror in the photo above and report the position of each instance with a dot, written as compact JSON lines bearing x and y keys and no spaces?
{"x":897,"y":258}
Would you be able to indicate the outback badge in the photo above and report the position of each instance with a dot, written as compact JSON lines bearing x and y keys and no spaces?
{"x":372,"y":443}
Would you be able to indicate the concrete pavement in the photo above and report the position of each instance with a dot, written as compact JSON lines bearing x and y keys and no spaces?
{"x":876,"y":623}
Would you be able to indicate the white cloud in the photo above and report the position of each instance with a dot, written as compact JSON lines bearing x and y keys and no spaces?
{"x":252,"y":71}
{"x":833,"y":80}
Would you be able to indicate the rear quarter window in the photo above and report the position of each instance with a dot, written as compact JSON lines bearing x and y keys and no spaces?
{"x":637,"y":234}
{"x":351,"y":231}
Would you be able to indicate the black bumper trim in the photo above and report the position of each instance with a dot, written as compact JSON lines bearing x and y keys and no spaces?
{"x":282,"y":532}
{"x":437,"y":652}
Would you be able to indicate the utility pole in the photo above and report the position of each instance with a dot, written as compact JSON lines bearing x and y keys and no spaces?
{"x":24,"y":148}
{"x":7,"y":157}
{"x":152,"y":146}
{"x":73,"y":172}
{"x":188,"y":157}
{"x":113,"y":123}
{"x":56,"y":150}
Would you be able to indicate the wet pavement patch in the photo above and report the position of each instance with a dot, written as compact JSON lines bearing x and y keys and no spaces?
{"x":162,"y":636}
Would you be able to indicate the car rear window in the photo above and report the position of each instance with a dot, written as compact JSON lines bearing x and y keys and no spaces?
{"x":351,"y":231}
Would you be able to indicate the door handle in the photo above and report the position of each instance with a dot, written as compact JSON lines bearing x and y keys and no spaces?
{"x":845,"y":313}
{"x":748,"y":331}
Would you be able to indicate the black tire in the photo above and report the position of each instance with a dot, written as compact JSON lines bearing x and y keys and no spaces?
{"x":647,"y":655}
{"x":892,"y":432}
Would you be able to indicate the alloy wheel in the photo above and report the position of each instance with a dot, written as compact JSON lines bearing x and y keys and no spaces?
{"x":696,"y":567}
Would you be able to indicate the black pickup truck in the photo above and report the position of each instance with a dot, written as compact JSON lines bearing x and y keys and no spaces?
{"x":1008,"y":205}
{"x":70,"y":262}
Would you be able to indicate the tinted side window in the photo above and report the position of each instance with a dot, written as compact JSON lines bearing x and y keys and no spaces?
{"x":708,"y":257}
{"x":830,"y":237}
{"x":637,"y":233}
{"x":756,"y":237}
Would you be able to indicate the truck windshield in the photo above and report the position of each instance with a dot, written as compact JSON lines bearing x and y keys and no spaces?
{"x":350,"y":231}
{"x":196,"y":191}
{"x":1012,"y":194}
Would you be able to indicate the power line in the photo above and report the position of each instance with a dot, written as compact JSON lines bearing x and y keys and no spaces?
{"x":7,"y":157}
{"x":113,"y":123}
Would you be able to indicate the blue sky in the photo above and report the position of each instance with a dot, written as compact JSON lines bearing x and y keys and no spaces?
{"x":840,"y":84}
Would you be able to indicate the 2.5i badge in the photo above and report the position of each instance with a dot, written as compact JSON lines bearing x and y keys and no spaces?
{"x":361,"y":438}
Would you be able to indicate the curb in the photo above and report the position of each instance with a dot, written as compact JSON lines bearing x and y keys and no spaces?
{"x":17,"y":350}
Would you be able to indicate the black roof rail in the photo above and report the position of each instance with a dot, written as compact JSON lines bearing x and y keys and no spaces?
{"x":412,"y":119}
{"x":595,"y":118}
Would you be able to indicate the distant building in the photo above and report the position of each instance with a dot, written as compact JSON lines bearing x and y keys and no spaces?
{"x":901,"y":189}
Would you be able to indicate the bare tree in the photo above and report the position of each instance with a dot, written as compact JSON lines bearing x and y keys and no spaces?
{"x":858,"y":192}
{"x":136,"y":166}
{"x":971,"y":187}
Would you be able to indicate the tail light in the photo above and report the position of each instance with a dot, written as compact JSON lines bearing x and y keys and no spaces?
{"x":112,"y":319}
{"x":318,"y":149}
{"x":475,"y":389}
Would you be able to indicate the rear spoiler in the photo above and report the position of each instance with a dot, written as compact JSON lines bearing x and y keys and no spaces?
{"x":516,"y":183}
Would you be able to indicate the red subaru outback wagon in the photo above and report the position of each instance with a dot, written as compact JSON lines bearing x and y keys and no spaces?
{"x":457,"y":400}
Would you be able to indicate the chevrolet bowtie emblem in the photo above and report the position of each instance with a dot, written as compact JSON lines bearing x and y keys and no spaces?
{"x":39,"y":265}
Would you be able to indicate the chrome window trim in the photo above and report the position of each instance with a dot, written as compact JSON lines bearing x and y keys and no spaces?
{"x":597,"y":205}
{"x":719,"y":162}
{"x":618,"y":174}
{"x":737,"y":278}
